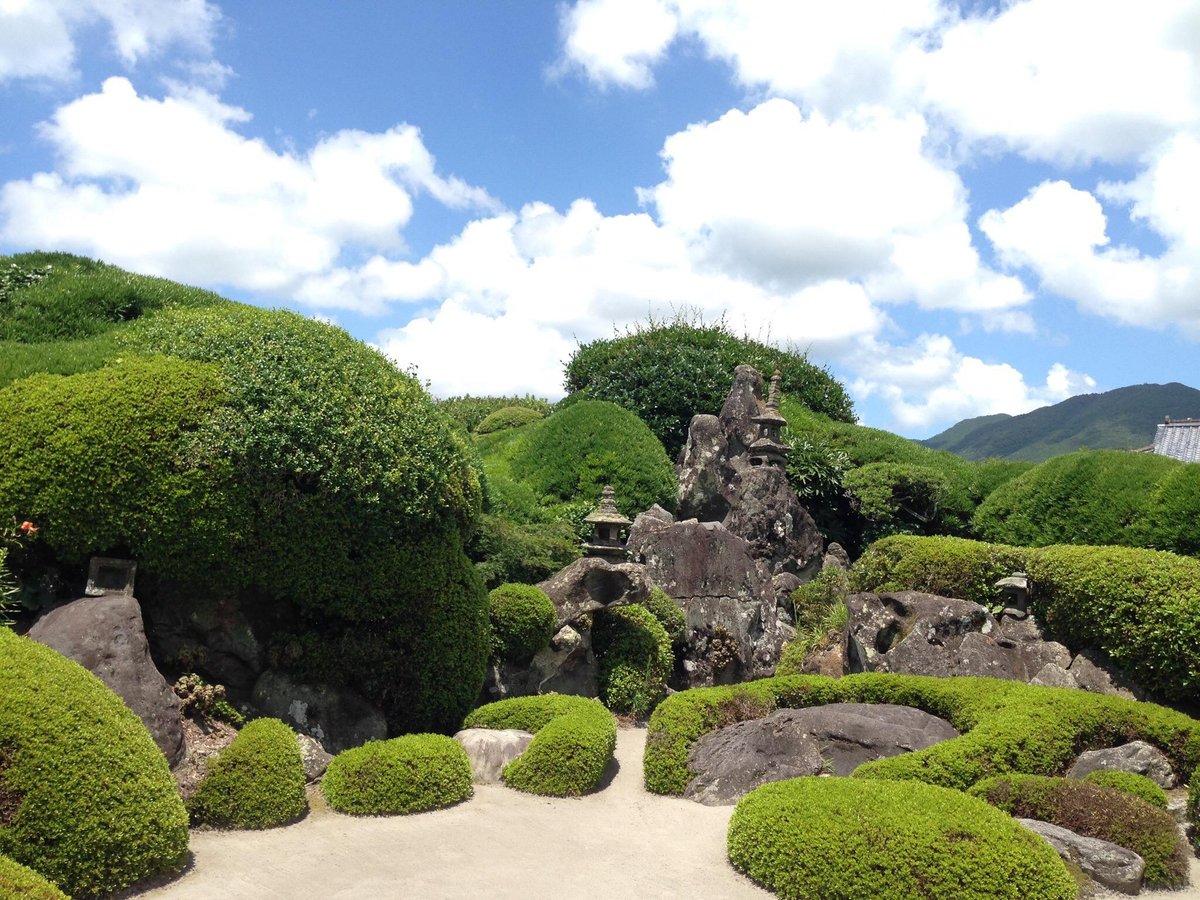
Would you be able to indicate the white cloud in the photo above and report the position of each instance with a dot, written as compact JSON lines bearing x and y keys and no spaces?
{"x":616,"y":41}
{"x":37,"y":37}
{"x":170,"y":187}
{"x":930,"y":381}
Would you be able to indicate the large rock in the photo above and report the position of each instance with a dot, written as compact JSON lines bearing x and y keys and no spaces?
{"x":313,"y":756}
{"x":1138,"y":757}
{"x":491,"y":749}
{"x":1094,"y":672}
{"x":106,"y":636}
{"x":833,"y":739}
{"x":745,"y":401}
{"x":567,"y":666}
{"x":702,"y":471}
{"x":592,"y":583}
{"x":922,"y":634}
{"x":764,"y":510}
{"x":338,"y":718}
{"x":1102,"y":861}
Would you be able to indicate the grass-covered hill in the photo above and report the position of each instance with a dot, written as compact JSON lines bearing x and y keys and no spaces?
{"x":1122,"y":419}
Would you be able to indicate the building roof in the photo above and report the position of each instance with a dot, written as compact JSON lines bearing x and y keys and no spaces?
{"x":1179,"y":440}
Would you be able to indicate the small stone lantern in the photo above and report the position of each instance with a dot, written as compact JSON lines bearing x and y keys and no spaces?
{"x":606,"y":521}
{"x":769,"y":449}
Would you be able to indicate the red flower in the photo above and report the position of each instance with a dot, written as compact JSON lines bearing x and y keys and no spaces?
{"x":28,"y":527}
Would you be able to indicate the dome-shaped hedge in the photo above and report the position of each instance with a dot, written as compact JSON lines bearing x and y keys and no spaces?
{"x":523,"y":620}
{"x":1131,"y":783}
{"x":849,"y":839}
{"x":255,"y":782}
{"x":408,"y":774}
{"x":96,"y":809}
{"x":635,"y":657}
{"x":18,"y":882}
{"x":508,"y":417}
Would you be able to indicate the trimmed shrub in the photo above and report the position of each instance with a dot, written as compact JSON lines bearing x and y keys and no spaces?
{"x":522,"y":619}
{"x":1170,"y":517}
{"x":897,"y":498}
{"x":946,"y":566}
{"x":1097,"y":812}
{"x":635,"y":657}
{"x":469,"y":411}
{"x":670,"y":614}
{"x":573,"y":742}
{"x":846,"y":839}
{"x":1131,"y":783}
{"x":1007,"y":726}
{"x":1141,"y":607}
{"x":255,"y":782}
{"x":574,"y":453}
{"x":88,"y":801}
{"x":508,"y":417}
{"x":520,"y":552}
{"x":409,"y":774}
{"x":18,"y":882}
{"x":667,"y":371}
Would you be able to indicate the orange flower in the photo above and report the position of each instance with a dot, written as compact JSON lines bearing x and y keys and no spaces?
{"x":28,"y":527}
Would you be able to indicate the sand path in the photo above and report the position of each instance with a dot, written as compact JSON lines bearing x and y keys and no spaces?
{"x":619,"y":842}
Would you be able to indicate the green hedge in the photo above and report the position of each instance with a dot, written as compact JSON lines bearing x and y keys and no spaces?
{"x":521,"y":552}
{"x":670,"y":614}
{"x":1131,"y":783}
{"x":408,"y":774}
{"x":848,"y":839}
{"x":1007,"y":726}
{"x":523,"y":619}
{"x":573,"y":742}
{"x":1141,"y":607}
{"x":18,"y":882}
{"x":508,"y":417}
{"x":96,"y":807}
{"x":469,"y":411}
{"x":1096,"y":812}
{"x":255,"y":782}
{"x":946,"y":566}
{"x":635,"y":657}
{"x":1193,"y":810}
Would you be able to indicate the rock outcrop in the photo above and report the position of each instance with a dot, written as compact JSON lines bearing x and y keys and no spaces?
{"x":338,"y":719}
{"x":1104,"y":862}
{"x":491,"y":749}
{"x":107,"y":637}
{"x":1138,"y":757}
{"x":567,"y":666}
{"x":592,"y":583}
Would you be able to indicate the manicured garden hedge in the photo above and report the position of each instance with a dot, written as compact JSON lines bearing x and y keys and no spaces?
{"x":255,"y":782}
{"x":849,"y":839}
{"x":1007,"y":726}
{"x":573,"y":742}
{"x":18,"y":882}
{"x":946,"y":566}
{"x":635,"y":657}
{"x":469,"y":411}
{"x":1097,"y":812}
{"x":508,"y":417}
{"x":96,"y":809}
{"x":408,"y":774}
{"x":1131,"y":783}
{"x":522,"y":618}
{"x":669,"y":614}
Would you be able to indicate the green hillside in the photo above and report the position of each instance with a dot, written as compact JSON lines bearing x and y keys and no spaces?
{"x":1121,"y":419}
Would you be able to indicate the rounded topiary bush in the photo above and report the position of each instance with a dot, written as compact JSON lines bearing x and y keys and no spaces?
{"x":18,"y":882}
{"x":508,"y":417}
{"x":946,"y":566}
{"x":846,"y":839}
{"x":573,"y":742}
{"x":255,"y":782}
{"x":1097,"y":812}
{"x":522,"y":619}
{"x":1131,"y":783}
{"x":88,"y":800}
{"x":669,"y":614}
{"x":408,"y":774}
{"x":635,"y":657}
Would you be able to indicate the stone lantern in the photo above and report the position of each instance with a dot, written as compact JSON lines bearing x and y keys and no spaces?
{"x":606,"y":521}
{"x":769,"y":449}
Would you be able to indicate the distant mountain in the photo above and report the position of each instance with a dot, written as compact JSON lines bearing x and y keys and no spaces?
{"x":1123,"y":419}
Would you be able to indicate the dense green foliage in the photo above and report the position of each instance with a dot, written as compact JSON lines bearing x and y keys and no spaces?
{"x":896,"y":498}
{"x":1007,"y":726}
{"x":96,"y":809}
{"x":1141,"y":607}
{"x":946,"y":566}
{"x":1096,"y":812}
{"x":1122,"y":419}
{"x":1193,"y":810}
{"x":1131,"y":783}
{"x":504,"y":550}
{"x":408,"y":774}
{"x":667,"y":372}
{"x":573,"y":742}
{"x":820,"y":613}
{"x":670,"y":614}
{"x":635,"y":657}
{"x":1095,"y":497}
{"x":508,"y":417}
{"x":847,"y":839}
{"x":255,"y":782}
{"x":469,"y":411}
{"x":522,"y":618}
{"x":18,"y":882}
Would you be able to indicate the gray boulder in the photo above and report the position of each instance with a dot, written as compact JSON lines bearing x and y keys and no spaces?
{"x":1097,"y":674}
{"x":765,"y":511}
{"x":567,"y":666}
{"x":491,"y":749}
{"x":107,"y":637}
{"x":338,"y":718}
{"x":210,"y":635}
{"x":1104,"y":862}
{"x":592,"y":583}
{"x":702,"y":472}
{"x":743,"y":403}
{"x":833,"y":739}
{"x":1138,"y":757}
{"x":313,"y":756}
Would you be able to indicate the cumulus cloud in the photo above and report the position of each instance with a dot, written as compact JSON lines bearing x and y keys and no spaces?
{"x":37,"y":37}
{"x":168,"y":186}
{"x":615,"y":42}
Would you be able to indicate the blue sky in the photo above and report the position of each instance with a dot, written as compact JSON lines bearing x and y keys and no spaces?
{"x":961,"y":209}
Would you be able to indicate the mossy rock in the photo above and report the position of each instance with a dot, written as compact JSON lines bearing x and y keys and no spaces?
{"x":847,"y":839}
{"x":89,"y":801}
{"x":255,"y":782}
{"x":573,"y":742}
{"x":522,"y":619}
{"x":18,"y":882}
{"x":409,"y":774}
{"x":1097,"y":812}
{"x":1131,"y":783}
